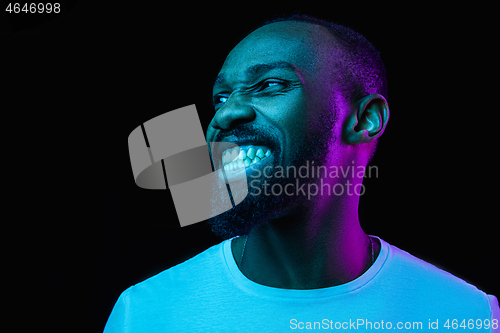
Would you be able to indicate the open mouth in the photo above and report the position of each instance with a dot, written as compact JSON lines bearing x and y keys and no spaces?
{"x":241,"y":157}
{"x":244,"y":160}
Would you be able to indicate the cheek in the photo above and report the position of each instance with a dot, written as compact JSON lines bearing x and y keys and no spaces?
{"x":292,"y":118}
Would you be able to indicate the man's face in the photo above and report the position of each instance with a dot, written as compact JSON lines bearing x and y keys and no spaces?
{"x":275,"y":93}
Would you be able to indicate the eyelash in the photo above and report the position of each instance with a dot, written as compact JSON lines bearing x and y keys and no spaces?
{"x":258,"y":87}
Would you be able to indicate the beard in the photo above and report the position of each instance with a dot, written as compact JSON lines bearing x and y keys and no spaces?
{"x":259,"y":208}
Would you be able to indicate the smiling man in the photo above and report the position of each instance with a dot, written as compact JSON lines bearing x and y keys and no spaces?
{"x":304,"y":101}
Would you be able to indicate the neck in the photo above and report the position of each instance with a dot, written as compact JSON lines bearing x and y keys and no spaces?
{"x":316,"y":247}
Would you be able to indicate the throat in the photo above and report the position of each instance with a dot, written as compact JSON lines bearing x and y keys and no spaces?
{"x":297,"y":267}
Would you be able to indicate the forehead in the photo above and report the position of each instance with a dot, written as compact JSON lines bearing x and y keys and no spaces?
{"x":306,"y":46}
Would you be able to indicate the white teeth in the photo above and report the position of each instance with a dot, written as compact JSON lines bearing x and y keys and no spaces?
{"x":242,"y":155}
{"x":236,"y":158}
{"x":234,"y":154}
{"x":257,"y":159}
{"x":251,"y":153}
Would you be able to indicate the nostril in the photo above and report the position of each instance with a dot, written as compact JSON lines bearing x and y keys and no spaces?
{"x":216,"y":126}
{"x":237,"y":122}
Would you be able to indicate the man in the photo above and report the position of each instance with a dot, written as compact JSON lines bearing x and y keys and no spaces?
{"x":305,"y":102}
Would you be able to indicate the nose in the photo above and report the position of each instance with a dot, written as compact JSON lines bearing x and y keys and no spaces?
{"x":235,"y":111}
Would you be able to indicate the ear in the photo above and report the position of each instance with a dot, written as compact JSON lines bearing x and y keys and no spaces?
{"x":367,"y":120}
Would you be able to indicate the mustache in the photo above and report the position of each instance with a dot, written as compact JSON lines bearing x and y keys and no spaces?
{"x":250,"y":132}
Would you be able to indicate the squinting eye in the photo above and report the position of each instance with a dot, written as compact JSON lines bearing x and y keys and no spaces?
{"x":271,"y":84}
{"x":220,"y":99}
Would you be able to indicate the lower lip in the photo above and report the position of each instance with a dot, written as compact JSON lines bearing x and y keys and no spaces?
{"x":245,"y":172}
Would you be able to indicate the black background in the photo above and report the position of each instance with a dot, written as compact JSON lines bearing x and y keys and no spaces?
{"x":78,"y":83}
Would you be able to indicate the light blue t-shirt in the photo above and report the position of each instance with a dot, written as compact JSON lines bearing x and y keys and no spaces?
{"x":208,"y":293}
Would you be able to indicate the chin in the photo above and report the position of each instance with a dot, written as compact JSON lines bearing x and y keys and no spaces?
{"x":254,"y":211}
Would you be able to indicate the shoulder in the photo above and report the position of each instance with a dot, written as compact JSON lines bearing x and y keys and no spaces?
{"x":190,"y":273}
{"x":431,"y":284}
{"x":422,"y":271}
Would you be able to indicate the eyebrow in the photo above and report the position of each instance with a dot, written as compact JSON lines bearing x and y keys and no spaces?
{"x":257,"y":70}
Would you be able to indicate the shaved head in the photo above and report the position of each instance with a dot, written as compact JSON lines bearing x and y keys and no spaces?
{"x":281,"y":88}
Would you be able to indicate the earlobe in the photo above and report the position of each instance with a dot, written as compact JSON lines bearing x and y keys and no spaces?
{"x":367,"y":120}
